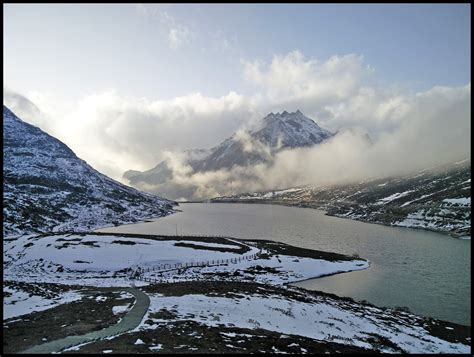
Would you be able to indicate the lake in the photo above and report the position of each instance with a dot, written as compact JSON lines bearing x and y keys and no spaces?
{"x":428,"y":272}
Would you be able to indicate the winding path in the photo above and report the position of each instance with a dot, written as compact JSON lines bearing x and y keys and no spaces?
{"x":128,"y":322}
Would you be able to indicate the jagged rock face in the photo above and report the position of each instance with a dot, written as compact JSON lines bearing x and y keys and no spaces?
{"x":283,"y":130}
{"x":278,"y":131}
{"x":48,"y":188}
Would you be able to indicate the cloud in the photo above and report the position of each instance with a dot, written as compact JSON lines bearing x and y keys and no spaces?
{"x":433,"y":129}
{"x":408,"y":130}
{"x":176,"y":33}
{"x":221,"y":42}
{"x":292,"y":77}
{"x":224,"y":44}
{"x":329,"y":91}
{"x":135,"y":133}
{"x":24,"y":107}
{"x":177,"y":36}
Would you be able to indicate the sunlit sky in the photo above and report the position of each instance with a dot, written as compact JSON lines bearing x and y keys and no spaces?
{"x":163,"y":51}
{"x":125,"y":85}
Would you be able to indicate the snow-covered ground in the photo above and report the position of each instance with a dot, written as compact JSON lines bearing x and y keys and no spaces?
{"x":425,"y":218}
{"x":18,"y":302}
{"x":320,"y":318}
{"x":395,"y":196}
{"x":120,"y":309}
{"x":106,"y":260}
{"x":276,"y":270}
{"x":102,"y":260}
{"x":463,"y":201}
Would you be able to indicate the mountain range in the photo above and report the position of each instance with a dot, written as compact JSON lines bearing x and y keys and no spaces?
{"x":277,"y":131}
{"x":46,"y":187}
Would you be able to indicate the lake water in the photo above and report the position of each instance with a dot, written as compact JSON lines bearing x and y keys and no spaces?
{"x":428,"y":272}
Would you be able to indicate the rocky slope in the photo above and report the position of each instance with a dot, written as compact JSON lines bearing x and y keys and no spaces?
{"x":438,"y":199}
{"x":48,"y":188}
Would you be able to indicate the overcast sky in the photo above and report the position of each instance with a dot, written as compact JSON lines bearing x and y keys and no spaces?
{"x":133,"y":82}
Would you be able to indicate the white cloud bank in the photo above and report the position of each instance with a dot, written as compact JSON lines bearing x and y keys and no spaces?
{"x":408,"y":130}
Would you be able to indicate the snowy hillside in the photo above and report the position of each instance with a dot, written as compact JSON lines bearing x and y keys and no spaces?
{"x":276,"y":132}
{"x":48,"y":188}
{"x":437,"y":199}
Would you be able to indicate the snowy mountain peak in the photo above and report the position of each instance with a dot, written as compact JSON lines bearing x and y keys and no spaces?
{"x":292,"y":129}
{"x":277,"y":131}
{"x":287,"y":117}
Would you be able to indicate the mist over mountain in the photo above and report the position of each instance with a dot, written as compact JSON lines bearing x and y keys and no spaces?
{"x":245,"y":148}
{"x":48,"y":188}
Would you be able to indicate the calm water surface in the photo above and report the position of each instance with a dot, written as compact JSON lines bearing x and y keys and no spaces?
{"x":425,"y":271}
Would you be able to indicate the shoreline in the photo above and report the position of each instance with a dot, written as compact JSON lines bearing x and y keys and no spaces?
{"x":275,"y":247}
{"x":452,"y":235}
{"x":247,"y":286}
{"x":326,"y":275}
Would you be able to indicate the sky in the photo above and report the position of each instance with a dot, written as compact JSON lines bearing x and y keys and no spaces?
{"x":164,"y":51}
{"x":136,"y":82}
